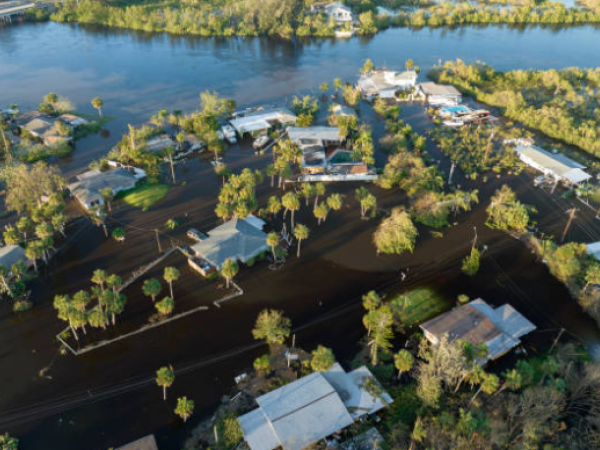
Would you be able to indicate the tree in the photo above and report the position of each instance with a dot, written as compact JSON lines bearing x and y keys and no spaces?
{"x":165,"y":306}
{"x":151,"y":288}
{"x":224,"y":172}
{"x":324,"y":87}
{"x":25,"y":226}
{"x":171,"y":274}
{"x":403,"y":361}
{"x":409,"y":64}
{"x":291,"y":203}
{"x":371,"y":301}
{"x":380,"y":323}
{"x":308,"y":191}
{"x":118,"y":234}
{"x":506,"y":213}
{"x":367,"y":67}
{"x":301,"y":232}
{"x":272,"y":327}
{"x":97,"y":103}
{"x":489,"y":385}
{"x":165,"y":378}
{"x":367,"y":201}
{"x":418,"y":434}
{"x":592,"y":276}
{"x":99,"y":277}
{"x":97,"y":318}
{"x":8,"y":443}
{"x":337,"y":84}
{"x":229,"y":270}
{"x":513,"y":380}
{"x":396,"y":234}
{"x":334,"y":201}
{"x":33,"y":251}
{"x":185,"y":408}
{"x":274,"y":205}
{"x":262,"y":364}
{"x":322,"y":359}
{"x":320,"y":211}
{"x":273,"y":241}
{"x":470,"y":264}
{"x":171,"y":224}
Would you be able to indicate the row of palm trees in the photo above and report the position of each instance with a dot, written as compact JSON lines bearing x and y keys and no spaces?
{"x":165,"y":377}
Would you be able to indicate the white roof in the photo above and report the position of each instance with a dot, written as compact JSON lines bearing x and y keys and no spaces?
{"x":559,"y":164}
{"x":261,"y":120}
{"x":255,"y":221}
{"x":431,"y":88}
{"x":594,"y":249}
{"x":313,"y":135}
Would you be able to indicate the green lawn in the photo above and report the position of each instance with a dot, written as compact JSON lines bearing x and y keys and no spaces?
{"x":145,"y":196}
{"x":416,"y":306}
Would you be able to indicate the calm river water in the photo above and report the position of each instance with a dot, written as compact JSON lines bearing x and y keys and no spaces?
{"x":136,"y":75}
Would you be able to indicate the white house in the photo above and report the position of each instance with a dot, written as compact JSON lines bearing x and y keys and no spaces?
{"x":557,"y":166}
{"x":385,"y":83}
{"x":440,"y":94}
{"x":336,"y":11}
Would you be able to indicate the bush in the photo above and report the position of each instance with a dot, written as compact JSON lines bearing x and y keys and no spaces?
{"x":22,"y":305}
{"x":230,"y":431}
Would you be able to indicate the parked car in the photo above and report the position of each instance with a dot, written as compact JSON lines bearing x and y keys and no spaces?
{"x":261,"y":142}
{"x":196,"y":235}
{"x":229,"y":134}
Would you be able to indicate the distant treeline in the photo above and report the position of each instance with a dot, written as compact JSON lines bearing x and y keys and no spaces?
{"x":287,"y":18}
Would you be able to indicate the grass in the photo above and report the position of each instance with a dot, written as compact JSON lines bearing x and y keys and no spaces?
{"x":416,"y":306}
{"x":145,"y":195}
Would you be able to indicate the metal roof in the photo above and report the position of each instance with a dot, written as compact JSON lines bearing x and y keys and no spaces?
{"x":87,"y":189}
{"x":559,"y":164}
{"x":262,"y":119}
{"x":316,"y":135}
{"x":236,"y":239}
{"x":431,"y":88}
{"x":145,"y":443}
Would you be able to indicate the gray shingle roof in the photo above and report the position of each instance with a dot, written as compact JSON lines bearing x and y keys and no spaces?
{"x":87,"y":189}
{"x":11,"y":254}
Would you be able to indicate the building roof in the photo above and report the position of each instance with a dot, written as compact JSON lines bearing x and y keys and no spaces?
{"x":477,"y":322}
{"x":313,"y":135}
{"x":11,"y":254}
{"x":313,"y":156}
{"x":380,"y":80}
{"x":145,"y":443}
{"x":262,"y":119}
{"x":311,"y":408}
{"x":235,"y":239}
{"x":159,"y":143}
{"x":594,"y":249}
{"x":431,"y":88}
{"x":87,"y":188}
{"x":343,"y":110}
{"x":73,"y":120}
{"x":559,"y":164}
{"x":40,"y":126}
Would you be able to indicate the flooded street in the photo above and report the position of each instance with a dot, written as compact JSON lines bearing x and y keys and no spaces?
{"x":108,"y":396}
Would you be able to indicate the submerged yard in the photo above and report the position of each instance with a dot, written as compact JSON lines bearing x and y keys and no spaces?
{"x":418,"y":305}
{"x":145,"y":195}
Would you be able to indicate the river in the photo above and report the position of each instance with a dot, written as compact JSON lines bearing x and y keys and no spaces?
{"x":108,"y":397}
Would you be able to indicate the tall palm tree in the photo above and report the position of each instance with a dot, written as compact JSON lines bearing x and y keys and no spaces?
{"x":99,"y":277}
{"x":274,"y":205}
{"x":165,"y":306}
{"x":320,"y":212}
{"x":170,"y":152}
{"x":165,"y":378}
{"x":301,"y":232}
{"x":273,"y":241}
{"x":403,"y":361}
{"x":229,"y":270}
{"x":185,"y":408}
{"x":291,"y":203}
{"x":319,"y":190}
{"x":334,"y":201}
{"x":151,"y":288}
{"x":98,"y":104}
{"x":171,"y":274}
{"x":108,"y":196}
{"x":308,"y":191}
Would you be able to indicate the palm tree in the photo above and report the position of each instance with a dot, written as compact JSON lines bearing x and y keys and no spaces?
{"x":25,"y":225}
{"x":58,"y":222}
{"x":98,"y":318}
{"x":337,"y":84}
{"x":367,"y":201}
{"x":184,"y":408}
{"x":108,"y":196}
{"x":334,"y":201}
{"x":301,"y":232}
{"x":63,"y":304}
{"x":274,"y":205}
{"x":403,"y":361}
{"x":165,"y":306}
{"x":321,"y":210}
{"x":118,"y":234}
{"x":151,"y":288}
{"x":273,"y":241}
{"x":7,"y":442}
{"x":271,"y":171}
{"x":113,"y":282}
{"x":319,"y":190}
{"x":99,"y":277}
{"x":171,"y":224}
{"x":171,"y":274}
{"x":291,"y":203}
{"x":98,"y":104}
{"x":169,"y":152}
{"x":223,"y":171}
{"x":98,"y":218}
{"x":308,"y":191}
{"x":165,"y":378}
{"x":4,"y":279}
{"x":33,"y":252}
{"x":229,"y":270}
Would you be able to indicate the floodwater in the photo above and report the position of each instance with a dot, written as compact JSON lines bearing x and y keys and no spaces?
{"x":108,"y":397}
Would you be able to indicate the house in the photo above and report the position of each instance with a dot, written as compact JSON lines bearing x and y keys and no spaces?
{"x":336,"y":11}
{"x":258,"y":122}
{"x":237,"y":239}
{"x":89,"y":185}
{"x":11,"y":254}
{"x":72,"y":120}
{"x":384,"y":83}
{"x":311,"y":408}
{"x":159,"y":143}
{"x":145,"y":443}
{"x":557,"y":166}
{"x":313,"y":141}
{"x":440,"y":94}
{"x":343,"y":111}
{"x":41,"y":126}
{"x":479,"y":323}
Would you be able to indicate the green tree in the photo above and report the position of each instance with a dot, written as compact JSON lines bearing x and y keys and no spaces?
{"x":171,"y":274}
{"x":262,"y":364}
{"x":396,"y":234}
{"x":229,"y":270}
{"x":322,"y":359}
{"x":324,"y":87}
{"x":301,"y":232}
{"x":97,"y":318}
{"x":338,"y":84}
{"x":409,"y":64}
{"x":506,"y":213}
{"x":171,"y":224}
{"x":367,"y":67}
{"x":151,"y":288}
{"x":592,"y":276}
{"x":489,"y":385}
{"x":291,"y":203}
{"x":165,"y":376}
{"x":371,"y":301}
{"x":403,"y":362}
{"x":8,"y":443}
{"x":308,"y":191}
{"x":367,"y":201}
{"x":97,"y":103}
{"x":334,"y":201}
{"x":320,"y":212}
{"x":272,"y":327}
{"x":380,"y":323}
{"x":470,"y":264}
{"x":274,"y":205}
{"x":273,"y":241}
{"x":118,"y":234}
{"x":165,"y":306}
{"x":185,"y":408}
{"x":418,"y":434}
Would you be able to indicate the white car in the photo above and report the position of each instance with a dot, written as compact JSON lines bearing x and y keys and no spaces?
{"x":229,"y":134}
{"x":261,"y":142}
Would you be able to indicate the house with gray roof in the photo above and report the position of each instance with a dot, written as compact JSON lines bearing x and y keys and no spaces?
{"x":89,"y":185}
{"x":257,"y":122}
{"x":385,"y":83}
{"x":145,"y":443}
{"x":238,"y":239}
{"x":555,"y":165}
{"x":440,"y":94}
{"x":311,"y":408}
{"x":500,"y":329}
{"x":11,"y":254}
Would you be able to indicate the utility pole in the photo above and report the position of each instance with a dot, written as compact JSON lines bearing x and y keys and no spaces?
{"x":474,"y":239}
{"x":571,"y":217}
{"x":452,"y":167}
{"x":489,"y":147}
{"x":158,"y":241}
{"x":562,"y":330}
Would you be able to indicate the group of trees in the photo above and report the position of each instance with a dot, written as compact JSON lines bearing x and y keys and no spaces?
{"x":507,"y":213}
{"x":152,"y":288}
{"x":559,"y":103}
{"x":165,"y":377}
{"x":109,"y":302}
{"x":238,"y":195}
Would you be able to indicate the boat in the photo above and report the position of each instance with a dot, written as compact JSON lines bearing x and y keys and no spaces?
{"x":229,"y":134}
{"x":453,"y":123}
{"x":261,"y":142}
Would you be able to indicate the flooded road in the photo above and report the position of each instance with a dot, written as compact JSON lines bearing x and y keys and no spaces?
{"x":108,"y":397}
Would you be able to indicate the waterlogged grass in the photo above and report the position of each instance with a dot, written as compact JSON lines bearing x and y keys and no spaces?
{"x":415,"y":307}
{"x":145,"y":195}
